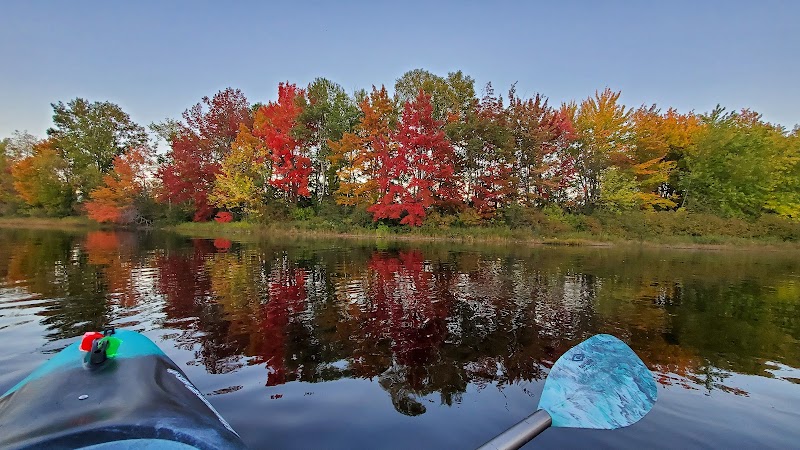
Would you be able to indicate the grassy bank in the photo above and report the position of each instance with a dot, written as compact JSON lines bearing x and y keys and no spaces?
{"x":49,"y":223}
{"x":665,"y":229}
{"x":300,"y":229}
{"x":674,"y":230}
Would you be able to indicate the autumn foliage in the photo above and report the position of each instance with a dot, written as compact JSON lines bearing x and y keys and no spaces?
{"x":39,"y":179}
{"x":274,"y":124}
{"x":486,"y":160}
{"x":223,"y":217}
{"x":433,"y":151}
{"x":419,"y":171}
{"x":114,"y":201}
{"x":198,"y":147}
{"x":357,"y":153}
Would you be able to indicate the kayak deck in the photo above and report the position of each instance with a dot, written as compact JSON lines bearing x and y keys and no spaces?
{"x":137,"y":399}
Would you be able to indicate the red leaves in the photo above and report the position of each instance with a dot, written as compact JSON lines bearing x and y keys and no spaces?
{"x":492,"y":188}
{"x":542,"y":138}
{"x":113,"y":202}
{"x":488,"y":164}
{"x":200,"y":145}
{"x":222,"y":244}
{"x":418,"y":172}
{"x":287,"y":298}
{"x":216,"y":121}
{"x":223,"y":217}
{"x":400,"y":309}
{"x":291,"y":165}
{"x":190,"y":175}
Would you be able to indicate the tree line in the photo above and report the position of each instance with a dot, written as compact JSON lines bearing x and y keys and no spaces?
{"x":435,"y":148}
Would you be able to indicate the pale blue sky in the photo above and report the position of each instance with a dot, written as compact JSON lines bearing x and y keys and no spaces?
{"x":156,"y":58}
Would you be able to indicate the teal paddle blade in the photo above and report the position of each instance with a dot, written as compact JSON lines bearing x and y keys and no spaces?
{"x":600,"y":384}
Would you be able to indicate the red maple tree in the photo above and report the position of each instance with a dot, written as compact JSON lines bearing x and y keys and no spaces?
{"x":542,"y":138}
{"x":418,"y":172}
{"x":287,"y":299}
{"x":402,"y":290}
{"x":200,"y":144}
{"x":291,"y":165}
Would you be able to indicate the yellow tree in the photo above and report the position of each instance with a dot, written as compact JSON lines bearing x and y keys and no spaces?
{"x":603,"y":139}
{"x":244,"y":177}
{"x":12,"y":150}
{"x":659,"y":142}
{"x":348,"y":154}
{"x":40,"y":179}
{"x":356,"y":152}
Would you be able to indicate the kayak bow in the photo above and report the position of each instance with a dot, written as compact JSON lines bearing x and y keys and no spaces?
{"x":111,"y":390}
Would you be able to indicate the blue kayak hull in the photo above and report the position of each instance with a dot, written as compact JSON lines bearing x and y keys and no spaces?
{"x":137,"y":399}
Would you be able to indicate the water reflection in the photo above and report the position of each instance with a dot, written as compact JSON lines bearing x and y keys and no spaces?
{"x":419,"y":322}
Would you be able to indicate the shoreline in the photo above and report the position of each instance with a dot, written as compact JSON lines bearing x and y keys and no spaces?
{"x":475,"y":235}
{"x":51,"y":223}
{"x":519,"y":237}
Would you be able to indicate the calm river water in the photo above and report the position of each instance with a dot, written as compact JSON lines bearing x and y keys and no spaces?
{"x":347,"y":344}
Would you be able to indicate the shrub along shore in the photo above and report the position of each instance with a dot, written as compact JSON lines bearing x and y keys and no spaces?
{"x":678,"y":229}
{"x":665,"y":229}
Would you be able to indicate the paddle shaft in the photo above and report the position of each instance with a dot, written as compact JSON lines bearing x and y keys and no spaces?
{"x":518,"y":435}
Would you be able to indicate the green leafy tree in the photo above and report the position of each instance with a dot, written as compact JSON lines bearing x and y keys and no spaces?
{"x":619,"y":190}
{"x":784,"y":197}
{"x":166,"y":130}
{"x":452,"y":96}
{"x":89,"y":136}
{"x":328,"y":113}
{"x":737,"y":165}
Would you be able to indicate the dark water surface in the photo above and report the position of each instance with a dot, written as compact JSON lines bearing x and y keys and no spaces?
{"x":345,"y":344}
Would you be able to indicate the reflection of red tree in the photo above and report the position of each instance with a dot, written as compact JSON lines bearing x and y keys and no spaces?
{"x":287,"y":299}
{"x":190,"y":305}
{"x":222,"y":244}
{"x":404,"y":308}
{"x":183,"y":280}
{"x":101,"y":246}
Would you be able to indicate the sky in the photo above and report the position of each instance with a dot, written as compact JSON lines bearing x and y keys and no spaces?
{"x":155,"y":59}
